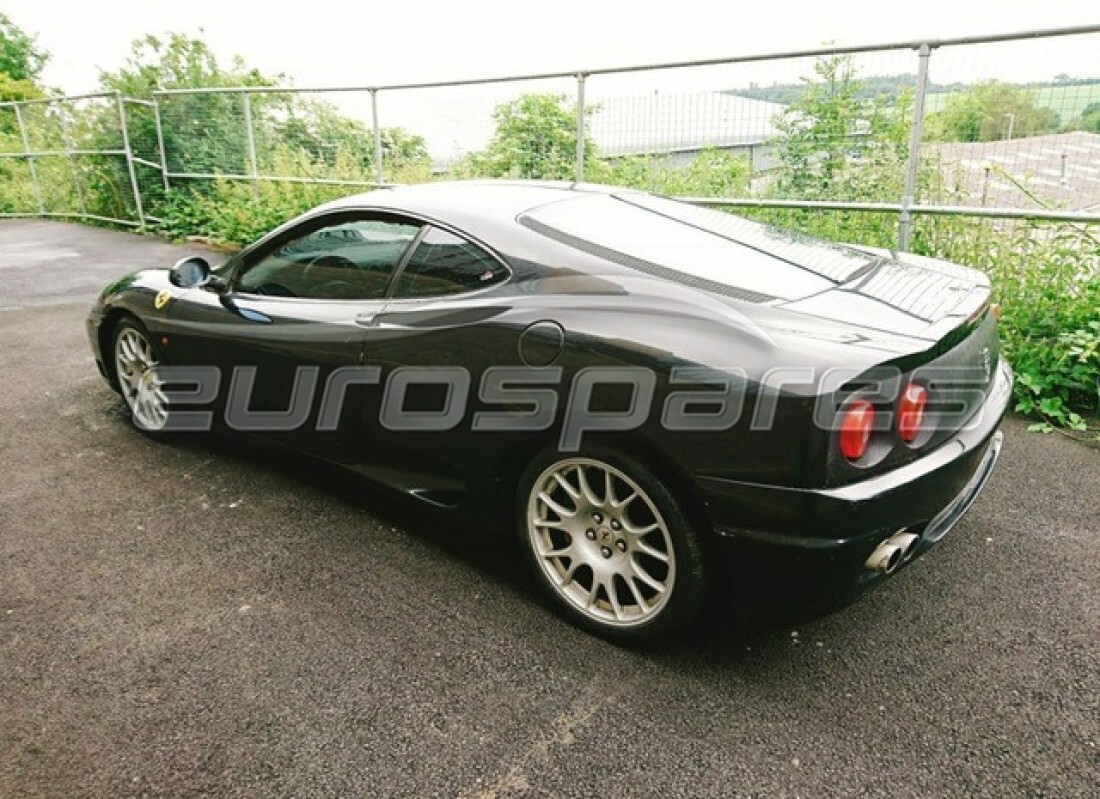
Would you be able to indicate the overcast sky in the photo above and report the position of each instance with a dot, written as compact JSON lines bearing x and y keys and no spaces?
{"x":327,"y":42}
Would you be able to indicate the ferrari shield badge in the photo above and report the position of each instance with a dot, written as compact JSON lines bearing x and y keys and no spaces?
{"x":162,"y":299}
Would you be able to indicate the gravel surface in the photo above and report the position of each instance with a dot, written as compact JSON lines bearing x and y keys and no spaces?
{"x":207,"y":618}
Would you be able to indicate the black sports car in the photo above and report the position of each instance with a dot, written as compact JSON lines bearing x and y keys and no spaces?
{"x":657,"y":397}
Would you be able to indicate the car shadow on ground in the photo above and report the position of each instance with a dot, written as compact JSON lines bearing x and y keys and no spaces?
{"x":491,"y":550}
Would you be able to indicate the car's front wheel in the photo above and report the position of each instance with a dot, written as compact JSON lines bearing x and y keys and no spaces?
{"x":611,"y":545}
{"x":135,"y":362}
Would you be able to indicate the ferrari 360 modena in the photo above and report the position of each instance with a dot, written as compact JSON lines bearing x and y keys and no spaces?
{"x":654,"y":397}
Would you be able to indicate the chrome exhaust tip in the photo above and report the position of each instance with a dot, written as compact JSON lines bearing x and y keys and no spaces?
{"x":907,"y":542}
{"x":892,"y":552}
{"x":886,"y":558}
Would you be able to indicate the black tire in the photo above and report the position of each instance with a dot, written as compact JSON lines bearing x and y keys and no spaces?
{"x":611,"y":595}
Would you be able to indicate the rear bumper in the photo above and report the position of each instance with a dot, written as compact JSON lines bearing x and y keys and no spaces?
{"x":818,"y":540}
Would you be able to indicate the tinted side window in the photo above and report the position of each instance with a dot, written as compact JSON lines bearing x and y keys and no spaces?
{"x":444,"y":263}
{"x":351,"y":260}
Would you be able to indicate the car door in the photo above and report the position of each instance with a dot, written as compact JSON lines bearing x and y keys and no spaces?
{"x":446,"y":321}
{"x":294,"y":311}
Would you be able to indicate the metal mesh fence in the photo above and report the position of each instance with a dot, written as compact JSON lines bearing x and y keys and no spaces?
{"x":1014,"y":125}
{"x":67,"y":157}
{"x":790,"y":127}
{"x":203,"y":133}
{"x":269,"y":135}
{"x":310,"y":136}
{"x":457,"y":127}
{"x":1010,"y":127}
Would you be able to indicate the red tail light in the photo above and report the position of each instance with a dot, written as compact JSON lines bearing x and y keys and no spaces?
{"x":856,"y":424}
{"x":911,"y":412}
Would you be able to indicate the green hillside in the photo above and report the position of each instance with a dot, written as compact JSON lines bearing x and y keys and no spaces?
{"x":1069,"y":101}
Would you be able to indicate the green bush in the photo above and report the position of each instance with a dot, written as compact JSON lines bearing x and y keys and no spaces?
{"x":234,"y":214}
{"x":985,"y":111}
{"x":535,"y":137}
{"x":711,"y":173}
{"x":1047,"y":281}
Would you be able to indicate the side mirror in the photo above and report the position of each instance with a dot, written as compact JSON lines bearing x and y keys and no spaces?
{"x":191,"y":272}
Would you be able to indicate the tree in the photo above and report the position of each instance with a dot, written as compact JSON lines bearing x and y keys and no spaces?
{"x":836,"y":145}
{"x":535,"y":137}
{"x":1090,"y":118}
{"x":177,"y":61}
{"x":20,"y":58}
{"x":21,"y":62}
{"x":990,"y":111}
{"x":21,"y":65}
{"x":206,"y":132}
{"x":202,"y":132}
{"x":292,"y":135}
{"x":404,"y":152}
{"x":329,"y":138}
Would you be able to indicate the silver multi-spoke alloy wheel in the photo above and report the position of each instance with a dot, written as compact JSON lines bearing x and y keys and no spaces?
{"x":136,"y":367}
{"x":601,"y":542}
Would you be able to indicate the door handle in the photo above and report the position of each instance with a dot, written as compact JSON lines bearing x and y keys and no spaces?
{"x":367,"y":319}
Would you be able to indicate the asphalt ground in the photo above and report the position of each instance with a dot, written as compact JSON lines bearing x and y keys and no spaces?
{"x":207,"y":618}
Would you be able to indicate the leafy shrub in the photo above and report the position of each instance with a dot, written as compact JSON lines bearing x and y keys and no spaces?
{"x":535,"y":137}
{"x":235,"y":214}
{"x":711,"y":173}
{"x":984,"y":112}
{"x":1047,"y":281}
{"x":1090,"y":118}
{"x":1049,"y":377}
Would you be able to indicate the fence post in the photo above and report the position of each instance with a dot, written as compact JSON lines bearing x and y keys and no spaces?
{"x":379,"y":173}
{"x":160,"y":144}
{"x":905,"y":222}
{"x":253,"y":169}
{"x":129,"y":158}
{"x":67,"y":143}
{"x":579,"y":175}
{"x":30,"y":159}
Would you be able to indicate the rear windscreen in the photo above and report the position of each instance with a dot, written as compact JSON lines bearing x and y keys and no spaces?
{"x":699,"y":245}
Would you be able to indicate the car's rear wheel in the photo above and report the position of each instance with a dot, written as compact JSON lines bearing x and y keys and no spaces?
{"x":611,"y":545}
{"x":136,"y":362}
